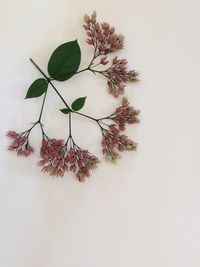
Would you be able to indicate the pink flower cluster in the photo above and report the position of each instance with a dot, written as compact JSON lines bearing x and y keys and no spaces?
{"x":125,"y":114}
{"x":20,"y":143}
{"x":102,"y":36}
{"x":56,"y":159}
{"x":105,"y":40}
{"x":118,"y":76}
{"x":113,"y":142}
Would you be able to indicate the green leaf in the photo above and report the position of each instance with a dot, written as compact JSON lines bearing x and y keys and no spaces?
{"x":37,"y":88}
{"x":65,"y":61}
{"x":78,"y":103}
{"x":65,"y":110}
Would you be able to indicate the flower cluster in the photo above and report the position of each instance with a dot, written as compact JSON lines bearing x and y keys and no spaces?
{"x":56,"y":159}
{"x":118,"y":76}
{"x":105,"y":40}
{"x":125,"y":114}
{"x":102,"y":36}
{"x":20,"y":143}
{"x":113,"y":142}
{"x":53,"y":157}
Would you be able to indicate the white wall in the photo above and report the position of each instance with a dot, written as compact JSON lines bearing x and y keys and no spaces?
{"x":143,"y":212}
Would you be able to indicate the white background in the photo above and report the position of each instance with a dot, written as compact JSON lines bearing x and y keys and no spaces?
{"x":143,"y":212}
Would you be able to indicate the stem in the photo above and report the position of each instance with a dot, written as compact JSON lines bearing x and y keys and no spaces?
{"x":88,"y":68}
{"x":46,"y":90}
{"x":39,"y":69}
{"x":57,"y":92}
{"x":91,"y":62}
{"x":49,"y":80}
{"x":39,"y":119}
{"x":70,"y":125}
{"x":41,"y":111}
{"x":84,"y":115}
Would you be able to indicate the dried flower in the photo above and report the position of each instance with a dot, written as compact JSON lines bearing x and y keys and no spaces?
{"x":105,"y":40}
{"x":81,"y":162}
{"x":125,"y":115}
{"x":118,"y":76}
{"x":104,"y":61}
{"x":113,"y":141}
{"x":20,"y":143}
{"x":112,"y":156}
{"x":56,"y":159}
{"x":53,"y":157}
{"x":102,"y":36}
{"x":133,"y":76}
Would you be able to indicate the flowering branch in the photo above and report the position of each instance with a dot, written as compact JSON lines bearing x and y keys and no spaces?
{"x":106,"y":41}
{"x":59,"y":156}
{"x":20,"y":141}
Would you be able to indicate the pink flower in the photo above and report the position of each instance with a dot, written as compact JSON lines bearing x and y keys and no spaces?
{"x":105,"y":26}
{"x":90,"y":41}
{"x":113,"y":142}
{"x":56,"y":159}
{"x":114,"y":129}
{"x":115,"y":89}
{"x":81,"y":162}
{"x":53,"y":157}
{"x":104,"y":61}
{"x":11,"y":134}
{"x":20,"y":143}
{"x":118,"y":76}
{"x":105,"y":40}
{"x":125,"y":115}
{"x":103,"y":37}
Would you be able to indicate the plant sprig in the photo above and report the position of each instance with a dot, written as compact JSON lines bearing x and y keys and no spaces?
{"x":58,"y":156}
